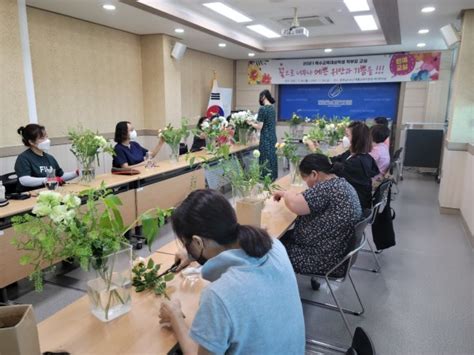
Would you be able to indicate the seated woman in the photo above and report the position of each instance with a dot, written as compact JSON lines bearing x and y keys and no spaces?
{"x":380,"y":151}
{"x":127,"y":151}
{"x":252,"y":304}
{"x":359,"y":166}
{"x":32,"y":165}
{"x":327,"y":213}
{"x":199,"y":141}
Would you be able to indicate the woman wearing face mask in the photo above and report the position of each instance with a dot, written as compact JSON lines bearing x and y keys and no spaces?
{"x":253,"y":295}
{"x":33,"y":164}
{"x":359,"y":166}
{"x":127,"y":151}
{"x":327,"y":213}
{"x":267,"y":126}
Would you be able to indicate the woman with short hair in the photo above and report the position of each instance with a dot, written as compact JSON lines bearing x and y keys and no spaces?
{"x":327,"y":213}
{"x":252,"y":304}
{"x":128,"y":152}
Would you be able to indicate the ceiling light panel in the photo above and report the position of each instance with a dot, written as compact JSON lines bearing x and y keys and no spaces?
{"x":224,"y":10}
{"x":264,"y":31}
{"x":357,"y":5}
{"x":366,"y":22}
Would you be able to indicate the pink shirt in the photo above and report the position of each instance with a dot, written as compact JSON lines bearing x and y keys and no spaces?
{"x":381,"y":155}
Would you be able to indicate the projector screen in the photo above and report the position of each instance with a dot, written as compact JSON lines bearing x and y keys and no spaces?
{"x":358,"y":101}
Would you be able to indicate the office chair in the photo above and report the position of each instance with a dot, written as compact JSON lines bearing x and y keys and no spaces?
{"x":348,"y":261}
{"x":396,"y":165}
{"x":10,"y":182}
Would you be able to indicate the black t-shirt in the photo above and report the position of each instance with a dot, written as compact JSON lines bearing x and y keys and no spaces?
{"x":31,"y":164}
{"x":359,"y":170}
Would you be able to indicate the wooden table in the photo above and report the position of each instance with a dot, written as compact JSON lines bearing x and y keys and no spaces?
{"x":76,"y":330}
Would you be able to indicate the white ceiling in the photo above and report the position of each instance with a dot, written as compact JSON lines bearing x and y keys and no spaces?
{"x":343,"y":36}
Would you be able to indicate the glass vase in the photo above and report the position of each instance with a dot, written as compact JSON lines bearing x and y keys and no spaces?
{"x":174,"y":153}
{"x":295,"y":175}
{"x":249,"y":204}
{"x":87,"y":172}
{"x":109,"y":289}
{"x":243,"y":136}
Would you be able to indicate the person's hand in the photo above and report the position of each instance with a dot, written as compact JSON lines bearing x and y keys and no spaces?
{"x":169,"y":311}
{"x":182,"y":258}
{"x":60,"y":180}
{"x":278,"y":195}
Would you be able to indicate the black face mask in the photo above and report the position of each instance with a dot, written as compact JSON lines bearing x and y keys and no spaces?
{"x":200,"y":259}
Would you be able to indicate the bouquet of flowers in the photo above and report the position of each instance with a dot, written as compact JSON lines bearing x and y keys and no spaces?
{"x":295,"y":120}
{"x":59,"y":228}
{"x":86,"y":146}
{"x":217,"y":131}
{"x":241,"y":119}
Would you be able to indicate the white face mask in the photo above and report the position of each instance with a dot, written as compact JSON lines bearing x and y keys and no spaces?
{"x":346,"y":143}
{"x":44,"y":145}
{"x":133,"y":135}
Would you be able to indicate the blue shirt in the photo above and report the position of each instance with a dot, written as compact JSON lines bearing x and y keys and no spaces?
{"x":252,"y":305}
{"x":132,"y":155}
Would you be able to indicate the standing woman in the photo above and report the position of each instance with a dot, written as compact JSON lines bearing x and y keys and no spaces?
{"x":33,"y":164}
{"x":267,"y":126}
{"x":127,"y":151}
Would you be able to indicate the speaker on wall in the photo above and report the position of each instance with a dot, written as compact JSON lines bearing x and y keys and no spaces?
{"x":178,"y":50}
{"x":450,"y":35}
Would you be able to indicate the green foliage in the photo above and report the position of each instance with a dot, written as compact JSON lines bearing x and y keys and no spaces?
{"x":288,"y":149}
{"x":146,"y":278}
{"x":295,"y":120}
{"x":327,"y":130}
{"x":86,"y":145}
{"x":174,"y":136}
{"x":59,"y":228}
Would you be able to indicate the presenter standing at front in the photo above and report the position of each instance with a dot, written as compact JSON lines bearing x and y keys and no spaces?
{"x":267,"y":126}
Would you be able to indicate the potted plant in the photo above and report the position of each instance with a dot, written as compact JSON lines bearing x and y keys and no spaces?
{"x":173,"y":137}
{"x":241,"y":122}
{"x":59,"y":228}
{"x":86,"y":146}
{"x":288,"y":149}
{"x":249,"y":187}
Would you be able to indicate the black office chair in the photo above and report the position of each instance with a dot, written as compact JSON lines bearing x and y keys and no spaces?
{"x":348,"y":261}
{"x":10,"y":182}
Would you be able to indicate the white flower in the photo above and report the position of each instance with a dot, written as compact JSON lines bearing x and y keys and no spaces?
{"x":71,"y":201}
{"x":331,"y":126}
{"x":277,"y":145}
{"x":307,"y":120}
{"x":41,"y":210}
{"x":205,"y":124}
{"x":139,"y":260}
{"x":282,"y":145}
{"x":50,"y":198}
{"x":58,"y":213}
{"x":256,"y":153}
{"x":305,"y":139}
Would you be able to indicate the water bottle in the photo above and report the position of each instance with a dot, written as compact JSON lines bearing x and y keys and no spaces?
{"x":148,"y":161}
{"x":2,"y":191}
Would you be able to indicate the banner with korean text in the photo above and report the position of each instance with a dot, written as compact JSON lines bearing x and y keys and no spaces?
{"x":357,"y":69}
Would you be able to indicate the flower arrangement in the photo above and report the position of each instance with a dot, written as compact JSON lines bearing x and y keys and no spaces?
{"x":327,"y":131}
{"x":288,"y":150}
{"x":241,"y":121}
{"x":252,"y":181}
{"x":86,"y":146}
{"x":174,"y":136}
{"x":59,"y":228}
{"x":295,"y":120}
{"x":217,"y":131}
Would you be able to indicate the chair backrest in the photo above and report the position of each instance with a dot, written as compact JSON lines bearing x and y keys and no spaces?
{"x":380,"y":196}
{"x":361,"y":343}
{"x":359,"y":237}
{"x":397,"y":154}
{"x":10,"y":182}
